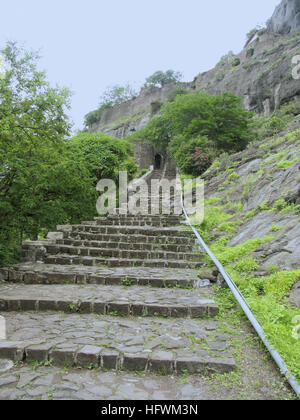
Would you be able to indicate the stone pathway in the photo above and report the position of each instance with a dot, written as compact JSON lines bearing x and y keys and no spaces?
{"x":136,"y":344}
{"x":40,"y":273}
{"x":117,"y":293}
{"x":134,"y":300}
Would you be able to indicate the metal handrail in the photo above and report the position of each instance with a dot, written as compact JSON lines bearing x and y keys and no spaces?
{"x":245,"y":306}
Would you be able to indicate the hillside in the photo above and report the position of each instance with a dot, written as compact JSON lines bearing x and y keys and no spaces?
{"x":252,"y":197}
{"x":260,"y":74}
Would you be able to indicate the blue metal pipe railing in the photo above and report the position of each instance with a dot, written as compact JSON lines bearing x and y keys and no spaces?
{"x":245,"y":306}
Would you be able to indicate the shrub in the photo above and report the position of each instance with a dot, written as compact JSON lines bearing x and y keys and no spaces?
{"x":93,"y":117}
{"x":193,"y":157}
{"x":236,"y":62}
{"x":175,"y":92}
{"x":225,"y":161}
{"x":160,"y":78}
{"x":219,"y":76}
{"x":250,"y":52}
{"x":102,"y":155}
{"x":156,"y":106}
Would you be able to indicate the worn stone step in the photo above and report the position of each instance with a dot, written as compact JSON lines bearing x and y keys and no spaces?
{"x":122,"y":253}
{"x":136,"y":222}
{"x":128,"y":245}
{"x":38,"y":273}
{"x":128,"y":230}
{"x":99,"y":299}
{"x":166,"y":240}
{"x":171,"y":219}
{"x":155,"y":213}
{"x":65,"y":259}
{"x":135,"y":344}
{"x":148,"y":217}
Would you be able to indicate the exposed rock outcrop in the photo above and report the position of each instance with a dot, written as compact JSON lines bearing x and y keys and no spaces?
{"x":266,"y":187}
{"x":128,"y":117}
{"x":286,"y":18}
{"x":261,"y":75}
{"x":264,"y":76}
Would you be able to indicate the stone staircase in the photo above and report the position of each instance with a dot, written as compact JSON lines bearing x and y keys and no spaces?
{"x":120,"y":292}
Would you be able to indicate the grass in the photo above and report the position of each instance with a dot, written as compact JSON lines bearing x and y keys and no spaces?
{"x":286,"y":164}
{"x":228,"y":255}
{"x":267,"y":296}
{"x":267,"y":299}
{"x":275,"y":228}
{"x":229,"y":227}
{"x":245,"y":381}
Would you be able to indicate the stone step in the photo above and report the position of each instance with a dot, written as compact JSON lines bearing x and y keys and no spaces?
{"x":165,"y":240}
{"x":38,"y":273}
{"x":155,"y":213}
{"x":65,"y":259}
{"x":99,"y":299}
{"x":128,"y":245}
{"x":136,"y":222}
{"x":148,"y":217}
{"x":172,"y":346}
{"x":122,"y":253}
{"x":128,"y":230}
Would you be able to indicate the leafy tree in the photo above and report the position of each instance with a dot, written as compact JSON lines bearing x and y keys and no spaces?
{"x":102,"y":155}
{"x":93,"y":117}
{"x":198,"y":115}
{"x":112,"y":96}
{"x":160,"y":78}
{"x":221,"y":118}
{"x":115,"y":95}
{"x":193,"y":157}
{"x":40,"y":186}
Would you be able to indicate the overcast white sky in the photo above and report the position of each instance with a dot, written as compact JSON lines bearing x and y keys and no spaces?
{"x":88,"y":45}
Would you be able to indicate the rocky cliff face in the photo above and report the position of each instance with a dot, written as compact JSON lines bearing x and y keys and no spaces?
{"x":259,"y":190}
{"x":286,"y":18}
{"x":131,"y":116}
{"x":261,"y":75}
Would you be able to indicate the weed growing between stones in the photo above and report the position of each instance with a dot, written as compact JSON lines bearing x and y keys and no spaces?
{"x":127,"y":282}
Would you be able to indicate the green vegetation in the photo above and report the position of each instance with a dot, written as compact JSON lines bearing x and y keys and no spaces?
{"x":103,"y":156}
{"x":45,"y":179}
{"x":286,"y":164}
{"x":127,"y":282}
{"x":275,"y":228}
{"x":266,"y":294}
{"x":219,"y":76}
{"x":250,"y":52}
{"x":116,"y":95}
{"x":111,"y":97}
{"x":197,"y":127}
{"x":193,"y":157}
{"x":228,"y":255}
{"x":160,"y":78}
{"x":156,"y":106}
{"x":236,"y":62}
{"x":175,"y":92}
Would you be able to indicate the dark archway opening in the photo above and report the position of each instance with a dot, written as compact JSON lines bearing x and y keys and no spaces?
{"x":158,"y":161}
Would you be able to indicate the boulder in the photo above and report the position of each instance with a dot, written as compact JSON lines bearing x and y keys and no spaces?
{"x":295,"y":295}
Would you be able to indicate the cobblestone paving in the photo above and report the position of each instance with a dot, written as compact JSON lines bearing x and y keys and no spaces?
{"x":133,"y":343}
{"x":122,"y":306}
{"x":45,"y":383}
{"x":28,"y":382}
